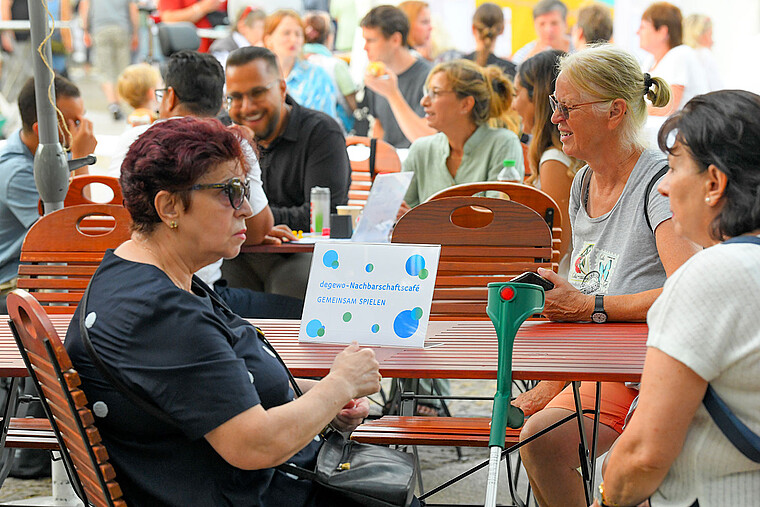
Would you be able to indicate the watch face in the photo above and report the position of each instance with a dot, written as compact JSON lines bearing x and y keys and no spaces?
{"x":599,"y":317}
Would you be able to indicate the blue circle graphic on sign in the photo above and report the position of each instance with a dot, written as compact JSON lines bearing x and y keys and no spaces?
{"x":330,"y":259}
{"x":315,"y":328}
{"x":415,"y":264}
{"x":405,"y":325}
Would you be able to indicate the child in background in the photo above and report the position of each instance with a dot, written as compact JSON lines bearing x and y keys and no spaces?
{"x":136,"y":85}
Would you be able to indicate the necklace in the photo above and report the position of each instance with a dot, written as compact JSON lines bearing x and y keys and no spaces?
{"x":158,"y":263}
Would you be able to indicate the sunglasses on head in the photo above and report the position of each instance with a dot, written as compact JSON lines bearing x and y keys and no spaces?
{"x":237,"y":190}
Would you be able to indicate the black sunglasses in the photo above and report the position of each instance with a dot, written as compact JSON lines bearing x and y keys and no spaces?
{"x":236,"y":189}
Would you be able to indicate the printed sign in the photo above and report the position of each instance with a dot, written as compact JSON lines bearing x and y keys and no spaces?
{"x":375,"y":294}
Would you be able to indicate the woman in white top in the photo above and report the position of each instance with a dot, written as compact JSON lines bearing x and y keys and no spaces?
{"x":660,"y":34}
{"x":550,"y":169}
{"x":697,"y":34}
{"x":703,"y":327}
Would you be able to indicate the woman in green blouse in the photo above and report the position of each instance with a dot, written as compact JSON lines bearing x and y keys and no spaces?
{"x":460,"y":97}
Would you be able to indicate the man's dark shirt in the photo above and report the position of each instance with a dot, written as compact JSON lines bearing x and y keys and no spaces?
{"x":311,"y":152}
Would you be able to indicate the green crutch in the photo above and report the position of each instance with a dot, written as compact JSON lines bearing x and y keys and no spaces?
{"x":509,"y":304}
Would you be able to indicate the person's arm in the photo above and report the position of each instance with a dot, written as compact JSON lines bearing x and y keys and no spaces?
{"x":259,"y":438}
{"x":84,"y":17}
{"x":258,"y":226}
{"x":193,"y":13}
{"x":653,"y":438}
{"x":564,"y":302}
{"x":676,"y":94}
{"x":134,"y":18}
{"x":412,"y":125}
{"x":8,"y":37}
{"x":66,"y":32}
{"x":350,"y":416}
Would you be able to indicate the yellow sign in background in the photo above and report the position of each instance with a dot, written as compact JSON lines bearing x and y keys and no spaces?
{"x":522,"y":18}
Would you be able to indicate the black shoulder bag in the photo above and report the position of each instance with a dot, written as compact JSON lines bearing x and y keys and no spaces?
{"x":743,"y":438}
{"x":370,"y":475}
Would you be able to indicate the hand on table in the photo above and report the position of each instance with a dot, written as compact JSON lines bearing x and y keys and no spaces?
{"x":351,"y":415}
{"x":537,"y":398}
{"x":279,"y":234}
{"x":564,"y":302}
{"x":358,"y":369}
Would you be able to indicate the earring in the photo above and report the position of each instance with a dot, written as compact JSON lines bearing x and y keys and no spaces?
{"x":173,"y":225}
{"x":708,"y":200}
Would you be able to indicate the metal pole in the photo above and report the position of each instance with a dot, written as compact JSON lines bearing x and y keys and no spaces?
{"x":51,"y":172}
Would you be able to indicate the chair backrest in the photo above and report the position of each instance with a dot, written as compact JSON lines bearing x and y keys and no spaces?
{"x":177,"y":36}
{"x":529,"y":196}
{"x":63,"y":249}
{"x":84,"y":456}
{"x":76,"y":194}
{"x":515,"y":240}
{"x":378,"y":157}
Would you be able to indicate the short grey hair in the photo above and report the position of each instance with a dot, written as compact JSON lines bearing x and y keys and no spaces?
{"x":547,"y":6}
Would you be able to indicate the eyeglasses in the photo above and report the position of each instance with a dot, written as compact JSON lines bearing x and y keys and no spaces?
{"x":159,"y":94}
{"x":254,"y":94}
{"x":236,"y":189}
{"x":563,"y":110}
{"x":435,"y":93}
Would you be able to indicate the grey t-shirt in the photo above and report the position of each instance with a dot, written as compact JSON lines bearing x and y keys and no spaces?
{"x":616,"y":253}
{"x":105,"y":13}
{"x":410,"y":83}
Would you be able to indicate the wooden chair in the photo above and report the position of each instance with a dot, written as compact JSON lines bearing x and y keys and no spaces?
{"x":515,"y":240}
{"x":381,"y":158}
{"x":84,"y":456}
{"x":535,"y":199}
{"x":59,"y":255}
{"x":76,"y":193}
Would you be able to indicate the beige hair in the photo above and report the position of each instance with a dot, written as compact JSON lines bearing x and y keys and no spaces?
{"x":607,"y":72}
{"x":693,"y":27}
{"x":488,"y":22}
{"x":489,"y":87}
{"x":135,"y":81}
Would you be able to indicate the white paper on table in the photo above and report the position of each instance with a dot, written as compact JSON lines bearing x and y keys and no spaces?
{"x":374,"y":294}
{"x":382,"y":206}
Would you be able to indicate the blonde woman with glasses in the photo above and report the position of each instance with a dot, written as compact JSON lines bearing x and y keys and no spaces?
{"x":460,"y":98}
{"x":624,"y":245}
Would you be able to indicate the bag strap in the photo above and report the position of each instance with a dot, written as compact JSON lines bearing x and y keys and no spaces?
{"x":732,"y":427}
{"x":736,"y":431}
{"x":372,"y":155}
{"x":650,"y":186}
{"x":120,"y":386}
{"x":141,"y":402}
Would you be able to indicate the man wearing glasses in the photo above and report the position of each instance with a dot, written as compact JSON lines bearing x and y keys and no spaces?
{"x":194,"y":86}
{"x":299,"y":148}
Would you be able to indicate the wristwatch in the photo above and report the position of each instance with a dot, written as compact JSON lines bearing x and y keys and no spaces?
{"x":599,"y":316}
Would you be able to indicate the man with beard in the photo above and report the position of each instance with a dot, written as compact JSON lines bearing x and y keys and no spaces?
{"x":299,"y":148}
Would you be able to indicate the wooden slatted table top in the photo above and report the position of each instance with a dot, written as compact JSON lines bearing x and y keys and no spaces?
{"x":467,"y":350}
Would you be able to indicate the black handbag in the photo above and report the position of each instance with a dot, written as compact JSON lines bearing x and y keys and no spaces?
{"x":370,"y":475}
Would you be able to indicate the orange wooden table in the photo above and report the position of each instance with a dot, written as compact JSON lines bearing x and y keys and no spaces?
{"x":543,"y":350}
{"x":611,"y":352}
